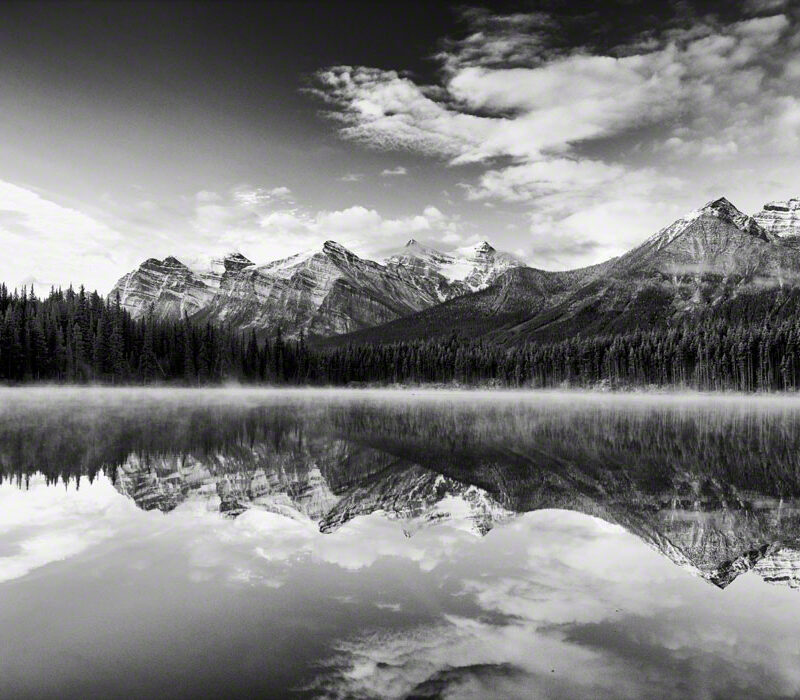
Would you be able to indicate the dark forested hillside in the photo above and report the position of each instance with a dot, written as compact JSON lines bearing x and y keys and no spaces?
{"x":511,"y":300}
{"x":78,"y":337}
{"x":749,"y":343}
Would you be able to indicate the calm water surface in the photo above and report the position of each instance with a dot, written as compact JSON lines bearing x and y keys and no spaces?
{"x":246,"y":543}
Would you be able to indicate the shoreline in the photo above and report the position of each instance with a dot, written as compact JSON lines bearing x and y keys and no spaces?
{"x":180,"y":392}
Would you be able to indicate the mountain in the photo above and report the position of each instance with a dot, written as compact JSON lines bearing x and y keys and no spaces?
{"x":780,"y":218}
{"x":703,"y":263}
{"x":699,"y":262}
{"x":510,"y":300}
{"x":453,"y":274}
{"x":324,"y":292}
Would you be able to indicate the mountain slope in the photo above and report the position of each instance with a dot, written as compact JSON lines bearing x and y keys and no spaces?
{"x":780,"y":218}
{"x":456,"y":273}
{"x":324,"y":292}
{"x":513,"y":297}
{"x":698,"y":263}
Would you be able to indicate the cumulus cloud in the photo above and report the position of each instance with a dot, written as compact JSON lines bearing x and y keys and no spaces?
{"x":393,"y":172}
{"x":267,"y":224}
{"x":656,"y":112}
{"x":55,"y":241}
{"x":586,"y":609}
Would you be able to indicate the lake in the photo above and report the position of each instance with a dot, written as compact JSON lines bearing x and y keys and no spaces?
{"x":359,"y":544}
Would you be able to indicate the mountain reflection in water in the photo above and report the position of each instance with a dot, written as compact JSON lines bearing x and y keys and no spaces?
{"x":713,"y":484}
{"x":250,"y":543}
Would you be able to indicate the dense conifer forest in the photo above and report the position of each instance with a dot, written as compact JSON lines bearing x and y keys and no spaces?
{"x":75,"y":337}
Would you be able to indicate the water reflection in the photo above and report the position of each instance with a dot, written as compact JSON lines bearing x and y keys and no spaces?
{"x":713,"y":487}
{"x":539,"y":558}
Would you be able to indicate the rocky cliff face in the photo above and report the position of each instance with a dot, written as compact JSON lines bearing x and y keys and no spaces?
{"x":453,"y":274}
{"x":167,"y":286}
{"x":780,"y":218}
{"x":419,"y":498}
{"x":324,"y":292}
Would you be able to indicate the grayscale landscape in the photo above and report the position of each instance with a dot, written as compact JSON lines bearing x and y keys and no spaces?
{"x":400,"y":350}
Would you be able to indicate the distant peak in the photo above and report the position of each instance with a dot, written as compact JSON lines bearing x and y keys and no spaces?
{"x":482,"y":248}
{"x":235,"y":255}
{"x":172,"y":261}
{"x":236,"y":261}
{"x":721,"y":204}
{"x":412,"y":242}
{"x":335,"y":248}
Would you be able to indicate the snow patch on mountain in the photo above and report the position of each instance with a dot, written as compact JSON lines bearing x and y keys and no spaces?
{"x":780,"y":218}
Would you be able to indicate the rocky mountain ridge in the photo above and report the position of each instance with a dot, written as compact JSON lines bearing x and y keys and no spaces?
{"x":699,"y":261}
{"x":713,"y":531}
{"x":323,"y":292}
{"x":780,"y":218}
{"x":411,"y":495}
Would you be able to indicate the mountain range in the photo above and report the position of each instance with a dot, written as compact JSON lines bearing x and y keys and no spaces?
{"x":701,"y":261}
{"x":712,"y":528}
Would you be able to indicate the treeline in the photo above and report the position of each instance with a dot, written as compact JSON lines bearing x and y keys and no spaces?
{"x":712,"y":355}
{"x":78,"y":337}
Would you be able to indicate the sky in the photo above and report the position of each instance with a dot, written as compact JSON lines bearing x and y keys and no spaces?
{"x":562,"y":131}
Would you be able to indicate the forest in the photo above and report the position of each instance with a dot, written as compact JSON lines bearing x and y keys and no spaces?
{"x":78,"y":337}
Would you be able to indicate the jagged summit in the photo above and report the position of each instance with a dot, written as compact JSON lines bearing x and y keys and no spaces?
{"x":171,"y":260}
{"x":721,"y":204}
{"x":235,"y":258}
{"x":483,"y":247}
{"x":337,"y":248}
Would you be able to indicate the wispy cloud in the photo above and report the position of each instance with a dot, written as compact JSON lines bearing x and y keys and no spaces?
{"x":393,"y":172}
{"x":567,"y":129}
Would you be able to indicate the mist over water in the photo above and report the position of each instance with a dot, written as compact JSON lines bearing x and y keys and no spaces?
{"x":385,"y":543}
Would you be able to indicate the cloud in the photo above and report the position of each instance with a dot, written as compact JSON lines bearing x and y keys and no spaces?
{"x":585,"y":610}
{"x":352,"y":177}
{"x":55,"y":241}
{"x":46,"y":524}
{"x":259,"y":195}
{"x":269,"y":224}
{"x":561,"y":128}
{"x":392,"y":172}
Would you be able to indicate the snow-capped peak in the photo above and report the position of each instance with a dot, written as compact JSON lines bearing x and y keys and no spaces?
{"x":720,"y":208}
{"x":470,"y":268}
